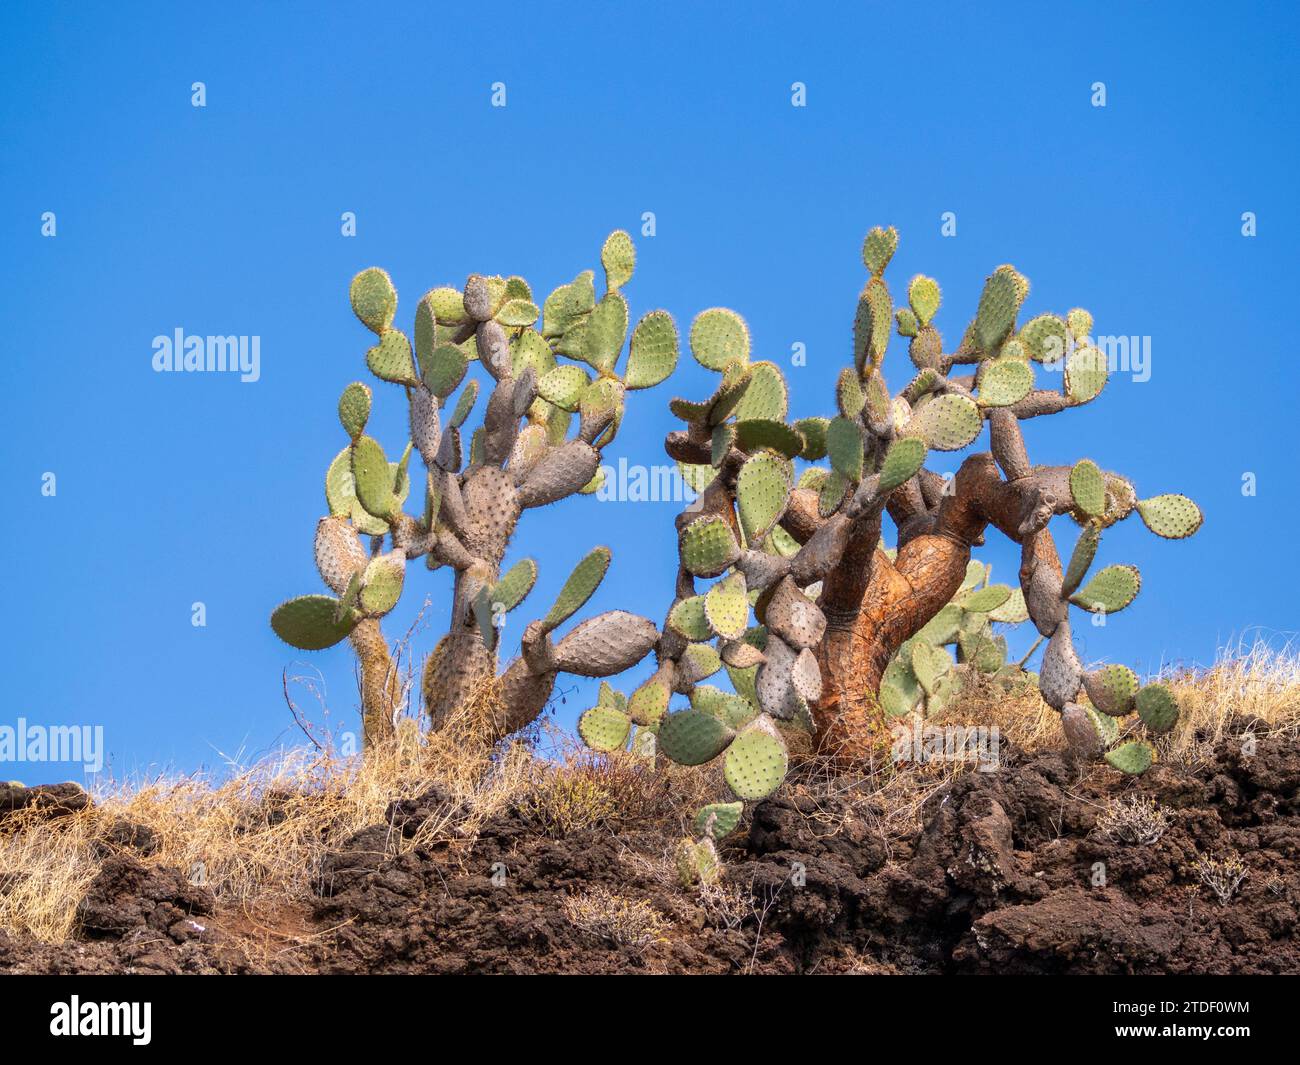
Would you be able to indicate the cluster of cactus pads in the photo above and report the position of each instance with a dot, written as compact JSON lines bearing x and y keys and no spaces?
{"x":783,"y":582}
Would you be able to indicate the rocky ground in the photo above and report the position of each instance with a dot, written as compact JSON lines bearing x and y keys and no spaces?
{"x":1011,"y":872}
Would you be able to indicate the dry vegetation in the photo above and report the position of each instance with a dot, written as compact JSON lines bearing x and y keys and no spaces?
{"x":261,"y":836}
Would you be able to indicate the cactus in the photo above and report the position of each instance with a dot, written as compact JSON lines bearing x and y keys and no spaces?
{"x":784,"y":590}
{"x":526,"y":452}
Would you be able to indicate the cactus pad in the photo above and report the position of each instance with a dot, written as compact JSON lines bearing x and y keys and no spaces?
{"x":652,"y":355}
{"x":718,"y":819}
{"x":1110,"y":589}
{"x":756,"y":762}
{"x":693,"y":737}
{"x":618,"y":257}
{"x":1085,"y":374}
{"x":759,"y":433}
{"x":648,"y":703}
{"x":718,"y":338}
{"x":903,"y":461}
{"x":354,"y":408}
{"x":726,"y":607}
{"x":1157,"y":707}
{"x":765,"y":397}
{"x":1111,"y":689}
{"x":947,"y":423}
{"x":564,"y":386}
{"x":604,"y":728}
{"x":1171,"y":516}
{"x":606,"y":330}
{"x":390,"y":359}
{"x":373,"y":298}
{"x":1004,"y":381}
{"x":1134,"y":757}
{"x":844,"y":446}
{"x":309,"y":622}
{"x":687,"y":618}
{"x":381,"y":586}
{"x":996,"y":314}
{"x":762,"y":491}
{"x":813,"y":431}
{"x":581,"y":586}
{"x":878,"y":248}
{"x":1088,"y":487}
{"x":923,"y":294}
{"x":707,"y":547}
{"x":1044,"y":338}
{"x":373,"y":478}
{"x":443,"y":370}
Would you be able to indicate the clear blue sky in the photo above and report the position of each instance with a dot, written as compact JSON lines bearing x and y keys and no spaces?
{"x":173,"y":489}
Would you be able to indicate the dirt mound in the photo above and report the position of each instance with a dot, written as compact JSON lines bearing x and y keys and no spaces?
{"x":1045,"y":866}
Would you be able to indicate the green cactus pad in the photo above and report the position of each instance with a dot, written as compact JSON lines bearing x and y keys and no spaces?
{"x":652,"y":355}
{"x":1080,"y":323}
{"x":310,"y":622}
{"x":1172,"y":516}
{"x":381,"y":586}
{"x":1109,"y":590}
{"x":693,"y":737}
{"x":947,"y":423}
{"x":517,"y":313}
{"x":1134,"y":757}
{"x":929,"y":664}
{"x":701,"y":660}
{"x":608,"y":695}
{"x":1085,"y":550}
{"x":374,"y":300}
{"x":762,"y":492}
{"x":756,"y":762}
{"x":903,"y":460}
{"x":1088,"y":487}
{"x":718,"y":819}
{"x":618,"y":257}
{"x":1044,"y":338}
{"x":1157,"y":707}
{"x":512,"y":588}
{"x":604,"y":728}
{"x":844,"y":446}
{"x":564,"y":386}
{"x":354,"y":408}
{"x":581,"y":586}
{"x":848,"y":393}
{"x":981,"y":649}
{"x":464,"y":405}
{"x":707,"y":547}
{"x":718,"y":338}
{"x":982,"y":600}
{"x":894,"y":701}
{"x":687,"y":618}
{"x":754,"y":434}
{"x":726,"y":607}
{"x":1013,"y":611}
{"x":1111,"y":689}
{"x":529,"y":349}
{"x":1004,"y":381}
{"x":606,"y":331}
{"x":832,"y":493}
{"x":447,"y":304}
{"x":1107,"y":728}
{"x":813,"y":431}
{"x":697,"y":863}
{"x":373,"y":478}
{"x":648,"y":703}
{"x":568,"y":305}
{"x":1085,"y":374}
{"x":390,"y":359}
{"x":871,"y":325}
{"x":908,"y":326}
{"x":942,"y":628}
{"x":765,"y":397}
{"x":996,"y":314}
{"x":924,"y":296}
{"x":444,"y":369}
{"x":878,"y":248}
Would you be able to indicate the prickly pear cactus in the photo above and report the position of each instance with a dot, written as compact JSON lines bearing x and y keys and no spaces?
{"x":555,"y":399}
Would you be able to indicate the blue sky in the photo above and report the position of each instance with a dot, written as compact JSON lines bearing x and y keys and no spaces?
{"x":176,"y":489}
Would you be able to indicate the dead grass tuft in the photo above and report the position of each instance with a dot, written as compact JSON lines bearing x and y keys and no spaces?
{"x":631,"y":923}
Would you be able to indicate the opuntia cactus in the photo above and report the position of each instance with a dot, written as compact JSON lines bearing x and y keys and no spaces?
{"x":782,"y":583}
{"x":526,"y":453}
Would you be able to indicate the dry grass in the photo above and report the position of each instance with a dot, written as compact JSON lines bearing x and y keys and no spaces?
{"x":259,"y":838}
{"x":1134,"y":819}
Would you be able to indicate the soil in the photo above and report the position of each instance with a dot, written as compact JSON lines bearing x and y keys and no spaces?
{"x":1010,"y":873}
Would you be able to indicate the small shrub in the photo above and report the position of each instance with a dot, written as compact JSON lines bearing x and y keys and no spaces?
{"x":1134,"y":819}
{"x":630,"y":923}
{"x":1223,"y":876}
